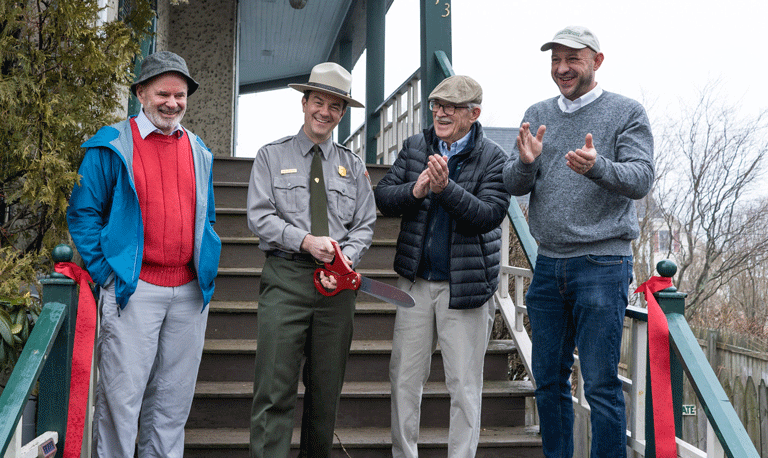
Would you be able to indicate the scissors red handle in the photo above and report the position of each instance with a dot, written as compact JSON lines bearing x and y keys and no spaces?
{"x":346,"y":278}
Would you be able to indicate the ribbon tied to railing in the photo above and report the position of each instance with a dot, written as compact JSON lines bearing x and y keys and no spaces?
{"x":658,"y":357}
{"x":81,"y":358}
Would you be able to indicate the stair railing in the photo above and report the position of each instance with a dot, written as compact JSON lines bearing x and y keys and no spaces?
{"x":26,"y":373}
{"x":400,"y":118}
{"x":399,"y":115}
{"x":726,"y":435}
{"x":46,"y":358}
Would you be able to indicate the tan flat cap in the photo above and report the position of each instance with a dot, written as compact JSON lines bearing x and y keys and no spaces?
{"x":458,"y":89}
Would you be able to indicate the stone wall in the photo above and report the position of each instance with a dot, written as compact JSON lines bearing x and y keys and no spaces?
{"x":203,"y":32}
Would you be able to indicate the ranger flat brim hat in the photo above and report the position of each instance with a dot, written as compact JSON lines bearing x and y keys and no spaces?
{"x":163,"y":62}
{"x":330,"y":78}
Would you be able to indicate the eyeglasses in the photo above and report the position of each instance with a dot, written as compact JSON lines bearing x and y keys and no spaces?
{"x":448,"y":109}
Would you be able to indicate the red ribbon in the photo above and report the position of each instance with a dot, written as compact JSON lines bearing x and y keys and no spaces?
{"x":81,"y":358}
{"x":661,"y":382}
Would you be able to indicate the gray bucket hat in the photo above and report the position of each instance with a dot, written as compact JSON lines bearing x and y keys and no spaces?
{"x":162,"y":62}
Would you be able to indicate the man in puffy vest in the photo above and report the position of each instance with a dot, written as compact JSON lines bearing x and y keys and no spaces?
{"x":447,"y":186}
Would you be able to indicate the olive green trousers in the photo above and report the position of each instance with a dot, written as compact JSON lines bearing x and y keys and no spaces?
{"x":296,"y":323}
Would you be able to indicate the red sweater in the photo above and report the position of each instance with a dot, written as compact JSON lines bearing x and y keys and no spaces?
{"x":165,"y":182}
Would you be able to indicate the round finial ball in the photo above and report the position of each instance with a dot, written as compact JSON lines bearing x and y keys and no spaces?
{"x":666,"y":268}
{"x":298,"y":4}
{"x":62,"y":253}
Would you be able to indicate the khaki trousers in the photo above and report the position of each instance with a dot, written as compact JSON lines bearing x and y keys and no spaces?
{"x":463,"y":337}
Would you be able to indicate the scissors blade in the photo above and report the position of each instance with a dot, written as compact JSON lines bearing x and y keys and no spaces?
{"x":386,"y":292}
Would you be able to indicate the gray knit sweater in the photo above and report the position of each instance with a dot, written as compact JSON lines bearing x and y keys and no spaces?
{"x":575,"y":215}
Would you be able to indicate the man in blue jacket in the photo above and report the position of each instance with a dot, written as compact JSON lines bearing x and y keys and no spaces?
{"x":447,"y":185}
{"x":141,"y":218}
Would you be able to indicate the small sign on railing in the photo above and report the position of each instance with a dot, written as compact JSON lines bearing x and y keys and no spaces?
{"x":47,"y":449}
{"x":689,"y":409}
{"x":43,"y":446}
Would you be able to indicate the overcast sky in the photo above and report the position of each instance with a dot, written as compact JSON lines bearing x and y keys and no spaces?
{"x":658,"y":51}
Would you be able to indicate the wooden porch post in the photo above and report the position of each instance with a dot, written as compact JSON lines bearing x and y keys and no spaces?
{"x":435,"y":36}
{"x":374,"y":74}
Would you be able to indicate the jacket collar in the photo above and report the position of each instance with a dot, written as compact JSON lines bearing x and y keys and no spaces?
{"x":474,"y":140}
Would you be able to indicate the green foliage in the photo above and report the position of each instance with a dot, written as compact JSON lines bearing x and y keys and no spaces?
{"x":62,"y":76}
{"x":16,"y":320}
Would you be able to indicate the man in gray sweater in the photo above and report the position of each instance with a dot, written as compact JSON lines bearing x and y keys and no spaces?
{"x":582,"y":176}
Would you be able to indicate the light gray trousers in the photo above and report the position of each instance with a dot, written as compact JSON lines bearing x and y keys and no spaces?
{"x":148,"y":357}
{"x":463,"y":337}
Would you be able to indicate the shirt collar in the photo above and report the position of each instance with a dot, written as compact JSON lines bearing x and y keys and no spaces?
{"x":146,"y":127}
{"x":456,"y":146}
{"x":568,"y":106}
{"x":306,"y":144}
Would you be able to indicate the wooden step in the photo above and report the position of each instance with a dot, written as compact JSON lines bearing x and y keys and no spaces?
{"x":238,"y":170}
{"x":234,"y":359}
{"x":238,"y":320}
{"x":232,"y":169}
{"x":230,"y":194}
{"x":242,"y":283}
{"x":363,"y":404}
{"x":495,"y":442}
{"x":232,"y":222}
{"x":245,"y":252}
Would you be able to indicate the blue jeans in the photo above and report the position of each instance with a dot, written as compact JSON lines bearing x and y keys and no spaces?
{"x":579,"y":302}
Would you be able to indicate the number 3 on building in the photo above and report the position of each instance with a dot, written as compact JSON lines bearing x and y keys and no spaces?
{"x":447,"y":8}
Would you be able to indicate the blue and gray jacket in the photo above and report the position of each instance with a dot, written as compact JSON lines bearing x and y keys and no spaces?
{"x":105,"y":220}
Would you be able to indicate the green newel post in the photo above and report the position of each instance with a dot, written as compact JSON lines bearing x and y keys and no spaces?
{"x":55,"y":377}
{"x":670,"y":301}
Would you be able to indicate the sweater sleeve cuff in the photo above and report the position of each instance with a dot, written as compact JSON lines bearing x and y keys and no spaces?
{"x":598,"y":170}
{"x":526,"y":169}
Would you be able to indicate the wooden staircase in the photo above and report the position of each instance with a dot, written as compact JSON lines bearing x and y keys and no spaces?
{"x":218,"y":424}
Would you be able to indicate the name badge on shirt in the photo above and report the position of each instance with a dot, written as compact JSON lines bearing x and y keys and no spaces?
{"x":284,"y":171}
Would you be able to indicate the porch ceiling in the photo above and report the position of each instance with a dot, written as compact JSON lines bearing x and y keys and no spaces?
{"x":280,"y":44}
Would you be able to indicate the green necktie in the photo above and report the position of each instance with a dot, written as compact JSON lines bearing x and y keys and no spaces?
{"x":318,"y":202}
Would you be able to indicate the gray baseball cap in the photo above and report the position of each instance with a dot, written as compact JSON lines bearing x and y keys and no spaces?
{"x":575,"y":37}
{"x":458,"y":89}
{"x":162,"y":62}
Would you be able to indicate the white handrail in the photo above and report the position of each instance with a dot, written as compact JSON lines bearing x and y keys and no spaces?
{"x":399,"y":118}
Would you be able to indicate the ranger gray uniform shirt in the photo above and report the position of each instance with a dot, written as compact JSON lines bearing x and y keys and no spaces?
{"x":278,"y":196}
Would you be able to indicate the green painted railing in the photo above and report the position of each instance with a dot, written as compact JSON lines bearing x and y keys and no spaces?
{"x":686,"y":357}
{"x":725,"y":423}
{"x":46,"y":359}
{"x":28,"y":369}
{"x":444,"y":64}
{"x":520,"y":226}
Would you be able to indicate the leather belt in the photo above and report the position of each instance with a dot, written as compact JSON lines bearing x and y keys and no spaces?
{"x":304,"y":257}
